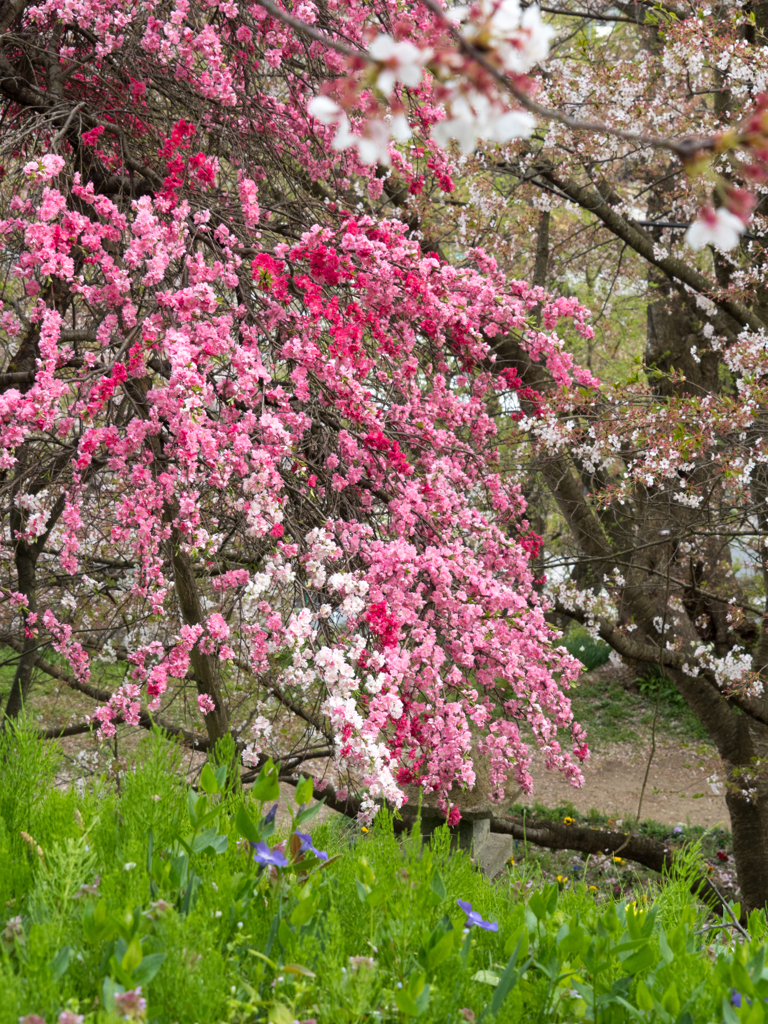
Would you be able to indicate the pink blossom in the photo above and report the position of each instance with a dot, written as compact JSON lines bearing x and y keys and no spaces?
{"x":205,"y":704}
{"x":131,"y":1003}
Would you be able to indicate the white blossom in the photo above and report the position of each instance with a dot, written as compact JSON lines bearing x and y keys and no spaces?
{"x":720,"y":228}
{"x":403,"y":62}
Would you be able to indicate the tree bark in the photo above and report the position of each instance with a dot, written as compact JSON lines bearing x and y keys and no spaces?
{"x":205,"y":669}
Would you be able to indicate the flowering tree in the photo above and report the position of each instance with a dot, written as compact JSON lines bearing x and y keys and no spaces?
{"x":659,"y":477}
{"x":248,"y":452}
{"x":268,"y":357}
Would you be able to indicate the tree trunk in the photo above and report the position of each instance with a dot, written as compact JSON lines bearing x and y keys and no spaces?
{"x":203,"y":665}
{"x":26,"y":564}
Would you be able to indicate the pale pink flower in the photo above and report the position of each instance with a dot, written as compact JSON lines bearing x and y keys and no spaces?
{"x":720,"y":228}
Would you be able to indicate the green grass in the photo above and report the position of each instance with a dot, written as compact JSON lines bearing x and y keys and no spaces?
{"x":613,"y":714}
{"x":140,"y":882}
{"x":590,"y":652}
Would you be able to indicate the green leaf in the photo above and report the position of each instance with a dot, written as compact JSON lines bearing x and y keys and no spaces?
{"x":245,"y":826}
{"x":208,"y":780}
{"x":507,"y":981}
{"x":303,"y":790}
{"x":441,"y":950}
{"x":741,"y":980}
{"x":465,"y":950}
{"x":413,"y":998}
{"x":627,"y":947}
{"x":192,"y":882}
{"x":201,"y":842}
{"x":422,"y":1000}
{"x":132,"y":957}
{"x":255,"y":952}
{"x":670,"y":1000}
{"x":108,"y":994}
{"x":284,"y":934}
{"x":307,"y":813}
{"x":379,"y":895}
{"x":406,"y":1004}
{"x":643,"y":996}
{"x":518,"y":938}
{"x":676,"y":939}
{"x":210,"y":841}
{"x":298,"y":969}
{"x":304,"y":911}
{"x":755,"y":1014}
{"x":265,"y":831}
{"x":664,"y":949}
{"x":60,"y":963}
{"x":220,"y":844}
{"x":267,"y":786}
{"x":538,"y":905}
{"x":554,"y":893}
{"x":574,"y":942}
{"x":544,"y":903}
{"x":281,"y":1014}
{"x":437,"y":885}
{"x":362,"y":890}
{"x":208,"y":817}
{"x":487,"y":977}
{"x":221,"y":776}
{"x":148,"y":968}
{"x":123,"y":976}
{"x":639,"y":961}
{"x":182,"y":843}
{"x":97,"y":926}
{"x":191,"y":802}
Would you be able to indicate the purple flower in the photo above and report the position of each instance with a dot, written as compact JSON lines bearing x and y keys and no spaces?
{"x":677,"y":830}
{"x":32,"y":1018}
{"x":737,"y":997}
{"x":132,"y":1003}
{"x":474,"y":918}
{"x":306,"y":846}
{"x":265,"y":856}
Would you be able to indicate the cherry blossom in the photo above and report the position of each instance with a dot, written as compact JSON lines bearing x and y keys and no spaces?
{"x":720,"y":228}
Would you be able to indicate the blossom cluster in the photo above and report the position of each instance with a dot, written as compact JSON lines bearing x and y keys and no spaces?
{"x":386,"y":573}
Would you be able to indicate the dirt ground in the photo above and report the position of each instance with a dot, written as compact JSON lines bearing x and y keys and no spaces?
{"x":685,"y":785}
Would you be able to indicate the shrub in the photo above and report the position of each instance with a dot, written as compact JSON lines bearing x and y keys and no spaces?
{"x":590,"y":652}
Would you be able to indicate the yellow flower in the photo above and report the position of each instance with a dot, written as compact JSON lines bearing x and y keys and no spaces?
{"x":567,"y":821}
{"x":364,"y":829}
{"x":618,"y":860}
{"x":562,"y":879}
{"x":511,"y":860}
{"x":593,"y":888}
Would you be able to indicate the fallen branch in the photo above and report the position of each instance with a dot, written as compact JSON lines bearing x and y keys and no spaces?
{"x":651,"y":854}
{"x":556,"y":836}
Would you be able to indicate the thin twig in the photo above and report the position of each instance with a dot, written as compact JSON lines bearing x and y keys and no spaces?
{"x":658,"y":698}
{"x":682,"y":148}
{"x":727,"y":906}
{"x":308,"y":30}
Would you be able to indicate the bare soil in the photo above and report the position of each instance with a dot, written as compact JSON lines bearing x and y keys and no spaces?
{"x":685,"y":785}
